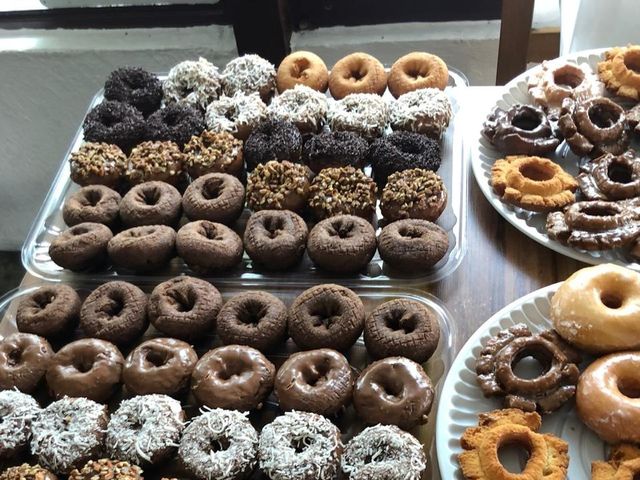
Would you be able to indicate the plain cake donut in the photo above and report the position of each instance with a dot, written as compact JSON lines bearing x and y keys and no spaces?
{"x":417,"y":70}
{"x":357,"y":73}
{"x":302,"y":68}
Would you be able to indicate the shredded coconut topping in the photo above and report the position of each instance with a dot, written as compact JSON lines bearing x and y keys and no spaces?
{"x":17,"y":412}
{"x":300,"y":445}
{"x":248,"y":74}
{"x":301,"y":105}
{"x":364,"y":113}
{"x":220,"y":445}
{"x":426,"y":110}
{"x":232,"y":114}
{"x":195,"y":83}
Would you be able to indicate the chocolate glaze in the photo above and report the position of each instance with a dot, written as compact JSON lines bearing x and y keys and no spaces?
{"x":24,"y":359}
{"x":611,"y":177}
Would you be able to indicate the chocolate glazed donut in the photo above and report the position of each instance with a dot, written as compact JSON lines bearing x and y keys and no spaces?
{"x":611,"y":177}
{"x":24,"y":359}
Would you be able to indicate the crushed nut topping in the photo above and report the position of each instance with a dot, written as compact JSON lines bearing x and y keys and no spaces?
{"x":344,"y":190}
{"x":101,"y":159}
{"x":105,"y":469}
{"x":155,"y":158}
{"x":410,"y":187}
{"x":271,"y":183}
{"x":212,"y":149}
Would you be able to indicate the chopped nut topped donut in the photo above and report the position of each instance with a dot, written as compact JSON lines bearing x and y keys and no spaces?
{"x":413,"y":193}
{"x":212,"y":152}
{"x":278,"y":186}
{"x":27,"y":472}
{"x":155,"y":161}
{"x":105,"y":469}
{"x":98,"y":163}
{"x":345,"y":190}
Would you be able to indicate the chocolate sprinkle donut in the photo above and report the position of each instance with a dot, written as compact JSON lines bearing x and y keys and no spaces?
{"x":184,"y":307}
{"x":115,"y":312}
{"x":81,"y":247}
{"x":114,"y":122}
{"x":49,"y":311}
{"x":272,"y":140}
{"x":17,"y":412}
{"x":342,"y":244}
{"x":143,"y":249}
{"x":175,"y":122}
{"x":257,"y":319}
{"x":326,"y":316}
{"x":135,"y":86}
{"x":93,"y":203}
{"x":218,"y":197}
{"x":335,"y":149}
{"x":151,"y":203}
{"x":24,"y":359}
{"x":412,"y":245}
{"x":209,"y":247}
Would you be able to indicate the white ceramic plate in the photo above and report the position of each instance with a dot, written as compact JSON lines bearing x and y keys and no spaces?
{"x":483,"y":156}
{"x":462,"y":400}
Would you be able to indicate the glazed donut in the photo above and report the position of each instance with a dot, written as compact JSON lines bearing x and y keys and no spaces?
{"x":305,"y":107}
{"x":135,"y":86}
{"x":238,"y":115}
{"x":426,"y":111}
{"x":93,"y":203}
{"x":417,"y":70}
{"x":24,"y":359}
{"x":607,"y":397}
{"x":619,"y":71}
{"x":611,"y":177}
{"x":597,"y":309}
{"x":193,"y":82}
{"x":357,"y":73}
{"x":302,"y":68}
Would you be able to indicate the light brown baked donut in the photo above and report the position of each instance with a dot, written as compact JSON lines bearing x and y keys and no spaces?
{"x":302,"y":68}
{"x":357,"y":73}
{"x":417,"y":70}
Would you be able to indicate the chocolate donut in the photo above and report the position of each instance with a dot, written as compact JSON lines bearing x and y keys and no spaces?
{"x":305,"y":107}
{"x":414,"y":193}
{"x":342,"y":244}
{"x":159,"y":365}
{"x":49,"y":311}
{"x":611,"y":177}
{"x":143,"y":249}
{"x":217,"y":197}
{"x":24,"y":359}
{"x":98,"y":164}
{"x":176,"y":123}
{"x":114,"y":122}
{"x":334,"y":150}
{"x":272,"y":140}
{"x":238,"y":115}
{"x":27,"y":472}
{"x":156,"y":161}
{"x":135,"y":86}
{"x":151,"y":203}
{"x":426,"y":111}
{"x":184,"y":307}
{"x":212,"y":152}
{"x":364,"y":113}
{"x":412,"y":245}
{"x":248,"y":74}
{"x":275,"y":239}
{"x":88,"y":368}
{"x":278,"y":186}
{"x":256,"y":319}
{"x":81,"y":247}
{"x":344,"y":190}
{"x":318,"y":381}
{"x":195,"y":83}
{"x":393,"y":391}
{"x":326,"y":316}
{"x":106,"y":469}
{"x":94,"y":204}
{"x":115,"y":312}
{"x":234,"y":377}
{"x":208,"y":247}
{"x":17,"y":412}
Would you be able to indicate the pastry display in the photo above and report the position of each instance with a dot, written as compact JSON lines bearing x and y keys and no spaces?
{"x":619,"y":71}
{"x":195,"y":83}
{"x":238,"y":115}
{"x":93,"y":204}
{"x":106,"y":469}
{"x":412,"y":245}
{"x":217,"y":197}
{"x":364,"y":113}
{"x":98,"y":163}
{"x":278,"y":186}
{"x":342,"y":191}
{"x":413,"y":193}
{"x":611,"y":177}
{"x":135,"y":86}
{"x":426,"y":111}
{"x":142,"y":249}
{"x":212,"y":152}
{"x":357,"y":73}
{"x":156,"y":161}
{"x":334,"y":150}
{"x":342,"y":244}
{"x":49,"y":311}
{"x":303,"y":106}
{"x":249,"y":74}
{"x":624,"y":461}
{"x":114,"y":122}
{"x":417,"y":70}
{"x":208,"y":247}
{"x":175,"y":123}
{"x":272,"y":140}
{"x":151,"y":203}
{"x":24,"y":359}
{"x":17,"y":411}
{"x":302,"y":68}
{"x":81,"y":247}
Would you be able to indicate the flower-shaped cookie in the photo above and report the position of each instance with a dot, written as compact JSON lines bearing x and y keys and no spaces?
{"x":620,"y":71}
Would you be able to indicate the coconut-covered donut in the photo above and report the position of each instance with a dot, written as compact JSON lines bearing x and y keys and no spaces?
{"x":302,"y":68}
{"x":151,"y":203}
{"x":217,"y":197}
{"x":208,"y":247}
{"x":413,"y":193}
{"x":427,"y":111}
{"x":156,"y":162}
{"x":619,"y":71}
{"x":212,"y":152}
{"x":342,"y":191}
{"x":357,"y":73}
{"x":176,"y":123}
{"x":193,"y":82}
{"x":363,"y":113}
{"x":417,"y":70}
{"x":114,"y":122}
{"x":611,"y":177}
{"x":278,"y":186}
{"x":249,"y":74}
{"x":49,"y":311}
{"x":98,"y":164}
{"x":135,"y":86}
{"x":412,"y":245}
{"x":17,"y":412}
{"x":93,"y":203}
{"x":238,"y":114}
{"x":272,"y":140}
{"x":334,"y":150}
{"x":143,"y":249}
{"x":24,"y":359}
{"x":303,"y":106}
{"x":81,"y":247}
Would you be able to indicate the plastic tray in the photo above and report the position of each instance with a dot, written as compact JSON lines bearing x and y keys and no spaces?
{"x":48,"y":224}
{"x":437,"y":367}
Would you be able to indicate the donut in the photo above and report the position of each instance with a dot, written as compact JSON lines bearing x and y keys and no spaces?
{"x":272,"y":140}
{"x":106,"y":469}
{"x":217,"y":197}
{"x":249,"y":74}
{"x":94,"y":204}
{"x":238,"y":115}
{"x":278,"y":186}
{"x":213,"y":153}
{"x":81,"y":247}
{"x":342,"y":244}
{"x":300,"y":446}
{"x":334,"y":150}
{"x":27,"y":472}
{"x":633,"y":118}
{"x":114,"y":122}
{"x":234,"y":377}
{"x":151,"y":203}
{"x":98,"y":164}
{"x":611,"y":177}
{"x":68,"y":433}
{"x":143,"y":249}
{"x":597,"y":309}
{"x":145,"y":429}
{"x":135,"y":86}
{"x":364,"y":113}
{"x":357,"y":73}
{"x":176,"y":123}
{"x":302,"y":68}
{"x":318,"y":381}
{"x":159,"y":365}
{"x":17,"y":412}
{"x":619,"y":71}
{"x":257,"y":319}
{"x":49,"y":311}
{"x":184,"y":307}
{"x":623,"y":461}
{"x":342,"y":191}
{"x":413,"y":193}
{"x":89,"y":368}
{"x":393,"y":391}
{"x":403,"y":151}
{"x":156,"y":161}
{"x":426,"y":111}
{"x":326,"y":316}
{"x":116,"y":312}
{"x":195,"y":83}
{"x":402,"y":328}
{"x":219,"y":444}
{"x":417,"y":70}
{"x":24,"y":359}
{"x":412,"y":245}
{"x":303,"y":106}
{"x":208,"y":247}
{"x":384,"y":452}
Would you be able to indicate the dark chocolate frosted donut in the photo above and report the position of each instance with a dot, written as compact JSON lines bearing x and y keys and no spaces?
{"x":95,"y":204}
{"x":334,"y":150}
{"x":611,"y":177}
{"x":88,"y":368}
{"x":234,"y":377}
{"x":257,"y":319}
{"x":272,"y":140}
{"x":49,"y":311}
{"x":412,"y":245}
{"x":275,"y":239}
{"x":115,"y":312}
{"x":135,"y":86}
{"x":404,"y":328}
{"x":184,"y":307}
{"x":209,"y":247}
{"x":81,"y":247}
{"x":342,"y":244}
{"x":318,"y":381}
{"x":143,"y":249}
{"x":151,"y":203}
{"x":24,"y":359}
{"x":114,"y":122}
{"x":175,"y":122}
{"x":217,"y":197}
{"x":326,"y":316}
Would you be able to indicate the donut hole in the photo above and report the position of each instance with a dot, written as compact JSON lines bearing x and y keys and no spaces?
{"x":157,"y":358}
{"x":232,"y":367}
{"x":324,"y":314}
{"x":611,"y":300}
{"x":514,"y":454}
{"x":113,"y":305}
{"x":397,"y":320}
{"x":342,"y":229}
{"x":602,"y":116}
{"x":600,"y":210}
{"x":212,"y":188}
{"x":619,"y":173}
{"x":14,"y":357}
{"x":300,"y":444}
{"x":532,"y":362}
{"x":251,"y":313}
{"x":210,"y":231}
{"x":141,"y":232}
{"x":317,"y":375}
{"x":182,"y":300}
{"x":632,"y":61}
{"x":219,"y":444}
{"x":409,"y":232}
{"x":273,"y":225}
{"x":77,"y":231}
{"x":43,"y":299}
{"x":535,"y":172}
{"x":150,"y":196}
{"x":92,"y":198}
{"x":629,"y":387}
{"x":391,"y":388}
{"x":83,"y":364}
{"x":568,"y":79}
